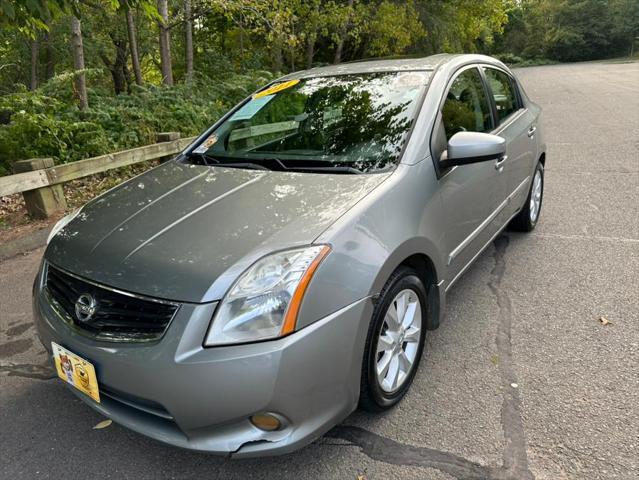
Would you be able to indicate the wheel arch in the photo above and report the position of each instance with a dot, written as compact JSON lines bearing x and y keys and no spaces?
{"x":425,"y":268}
{"x":424,"y":262}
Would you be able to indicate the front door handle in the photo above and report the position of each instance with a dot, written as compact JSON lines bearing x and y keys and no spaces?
{"x":531,"y":131}
{"x":499,"y":164}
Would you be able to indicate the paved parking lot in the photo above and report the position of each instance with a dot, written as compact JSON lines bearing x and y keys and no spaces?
{"x":522,"y":380}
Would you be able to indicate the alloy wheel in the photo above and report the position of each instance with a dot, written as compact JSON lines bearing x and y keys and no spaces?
{"x":398,"y":341}
{"x":535,"y":197}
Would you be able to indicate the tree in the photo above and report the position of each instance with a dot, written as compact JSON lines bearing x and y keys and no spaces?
{"x":188,"y":40}
{"x":33,"y":82}
{"x":459,"y":26}
{"x":49,"y":54}
{"x":625,"y":29}
{"x":117,"y":66}
{"x":29,"y":14}
{"x":78,"y":63}
{"x":133,"y":42}
{"x":343,"y":32}
{"x":391,"y":28}
{"x":165,"y":43}
{"x":580,"y":30}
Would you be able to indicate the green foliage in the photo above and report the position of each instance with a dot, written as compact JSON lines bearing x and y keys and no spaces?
{"x":29,"y":16}
{"x":231,"y":37}
{"x":45,"y":123}
{"x":461,"y":26}
{"x":517,"y":61}
{"x":392,"y":29}
{"x":570,"y":30}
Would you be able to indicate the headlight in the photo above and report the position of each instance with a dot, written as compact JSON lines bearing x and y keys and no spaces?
{"x":63,"y":222}
{"x":263,"y":303}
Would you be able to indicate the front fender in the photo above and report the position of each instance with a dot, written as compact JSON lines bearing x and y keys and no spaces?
{"x":400,"y":218}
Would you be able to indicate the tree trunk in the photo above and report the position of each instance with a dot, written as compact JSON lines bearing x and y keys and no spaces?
{"x":118,"y":66}
{"x":342,"y":35}
{"x":35,"y":46}
{"x":80,"y":83}
{"x":49,"y":57}
{"x":278,"y":61}
{"x":310,"y":50}
{"x":338,"y":50}
{"x":165,"y":43}
{"x":188,"y":40}
{"x":292,"y":52}
{"x":49,"y":53}
{"x":118,"y":71}
{"x":133,"y":44}
{"x":242,"y":41}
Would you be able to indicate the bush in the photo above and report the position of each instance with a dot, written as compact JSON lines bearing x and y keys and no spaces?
{"x":509,"y":58}
{"x":45,"y":123}
{"x":517,"y":61}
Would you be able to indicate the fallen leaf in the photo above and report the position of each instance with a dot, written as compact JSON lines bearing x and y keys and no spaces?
{"x":605,"y":321}
{"x":102,"y":424}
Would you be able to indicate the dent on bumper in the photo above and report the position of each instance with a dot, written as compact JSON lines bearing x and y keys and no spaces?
{"x":199,"y":398}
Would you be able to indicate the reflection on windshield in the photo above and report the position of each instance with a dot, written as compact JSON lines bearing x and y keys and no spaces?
{"x":356,"y":123}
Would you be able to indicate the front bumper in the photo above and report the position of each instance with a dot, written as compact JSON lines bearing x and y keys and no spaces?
{"x":180,"y":393}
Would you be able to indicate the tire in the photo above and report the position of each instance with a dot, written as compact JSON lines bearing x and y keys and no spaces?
{"x":378,"y":395}
{"x":527,"y":218}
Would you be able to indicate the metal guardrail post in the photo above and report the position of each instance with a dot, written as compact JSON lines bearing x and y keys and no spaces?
{"x":45,"y":201}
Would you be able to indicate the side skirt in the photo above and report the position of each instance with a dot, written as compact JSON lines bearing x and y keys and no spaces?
{"x":481,"y":250}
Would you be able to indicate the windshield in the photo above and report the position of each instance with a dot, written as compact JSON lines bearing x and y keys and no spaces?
{"x":348,"y":124}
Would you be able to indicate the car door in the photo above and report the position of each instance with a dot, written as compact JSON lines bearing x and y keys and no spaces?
{"x":469,"y":193}
{"x":515,"y":124}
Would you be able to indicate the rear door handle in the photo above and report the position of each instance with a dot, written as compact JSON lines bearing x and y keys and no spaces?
{"x":499,"y":164}
{"x":531,"y":131}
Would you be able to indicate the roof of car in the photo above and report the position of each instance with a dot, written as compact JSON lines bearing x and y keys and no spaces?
{"x":387,"y":65}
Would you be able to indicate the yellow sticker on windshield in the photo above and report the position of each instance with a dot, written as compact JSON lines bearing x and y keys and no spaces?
{"x":276,"y":88}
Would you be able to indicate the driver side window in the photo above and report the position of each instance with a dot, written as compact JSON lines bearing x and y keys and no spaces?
{"x":466,"y":108}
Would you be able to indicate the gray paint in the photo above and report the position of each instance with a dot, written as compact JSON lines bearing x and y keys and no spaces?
{"x":175,"y":232}
{"x":185,"y":233}
{"x":464,"y":145}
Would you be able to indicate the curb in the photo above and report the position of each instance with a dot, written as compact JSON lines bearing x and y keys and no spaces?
{"x":24,"y":244}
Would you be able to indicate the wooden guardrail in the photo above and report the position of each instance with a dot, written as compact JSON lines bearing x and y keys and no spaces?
{"x":40,"y":181}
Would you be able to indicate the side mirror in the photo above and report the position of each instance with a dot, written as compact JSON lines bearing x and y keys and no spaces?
{"x":472,"y":147}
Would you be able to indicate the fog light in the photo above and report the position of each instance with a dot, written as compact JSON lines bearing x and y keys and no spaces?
{"x":266,"y":422}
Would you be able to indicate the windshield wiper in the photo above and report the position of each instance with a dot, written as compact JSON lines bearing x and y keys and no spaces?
{"x":249,"y":165}
{"x":334,"y":169}
{"x":267,"y":162}
{"x":215,"y":161}
{"x":206,"y":159}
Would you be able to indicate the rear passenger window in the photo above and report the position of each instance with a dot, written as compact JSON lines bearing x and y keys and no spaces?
{"x":503,"y":92}
{"x":466,"y":108}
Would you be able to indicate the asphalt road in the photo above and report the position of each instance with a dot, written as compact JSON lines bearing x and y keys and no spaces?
{"x":521,"y":381}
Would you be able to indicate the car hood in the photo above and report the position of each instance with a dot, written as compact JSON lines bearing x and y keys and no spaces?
{"x":176,"y":230}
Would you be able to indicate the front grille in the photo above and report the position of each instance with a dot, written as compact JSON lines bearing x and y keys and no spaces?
{"x":115,"y":316}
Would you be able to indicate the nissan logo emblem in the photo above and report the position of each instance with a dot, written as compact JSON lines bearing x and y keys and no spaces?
{"x":85,"y":307}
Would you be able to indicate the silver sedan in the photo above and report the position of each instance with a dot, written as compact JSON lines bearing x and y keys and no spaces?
{"x":248,"y":295}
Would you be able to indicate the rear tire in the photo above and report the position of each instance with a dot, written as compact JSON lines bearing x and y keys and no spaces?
{"x":395,"y":341}
{"x":527,"y":218}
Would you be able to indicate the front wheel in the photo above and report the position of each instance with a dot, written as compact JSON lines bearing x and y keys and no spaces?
{"x":395,"y":341}
{"x":527,"y":218}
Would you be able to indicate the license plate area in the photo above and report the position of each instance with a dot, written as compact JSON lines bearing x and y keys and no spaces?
{"x":76,"y":371}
